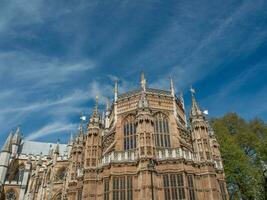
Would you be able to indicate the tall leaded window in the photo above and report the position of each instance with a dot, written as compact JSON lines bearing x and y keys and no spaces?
{"x":173,"y":186}
{"x":166,"y":187}
{"x":80,"y":195}
{"x":162,"y":132}
{"x":129,"y":131}
{"x":122,"y":188}
{"x":191,"y":187}
{"x":106,"y":189}
{"x":222,"y":188}
{"x":129,"y":188}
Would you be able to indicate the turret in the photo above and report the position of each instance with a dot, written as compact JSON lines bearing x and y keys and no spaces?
{"x":76,"y":152}
{"x":56,"y":153}
{"x":93,"y":142}
{"x":92,"y":153}
{"x":5,"y":157}
{"x":144,"y":121}
{"x":200,"y":134}
{"x":16,"y":141}
{"x":195,"y":113}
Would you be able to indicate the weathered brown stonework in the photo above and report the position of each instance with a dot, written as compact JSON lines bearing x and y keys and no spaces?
{"x":144,"y":148}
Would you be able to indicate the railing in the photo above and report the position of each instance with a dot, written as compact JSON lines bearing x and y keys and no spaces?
{"x":119,"y":156}
{"x":161,"y":154}
{"x":176,"y":153}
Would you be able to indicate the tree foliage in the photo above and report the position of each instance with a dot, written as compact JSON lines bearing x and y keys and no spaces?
{"x":243,"y":146}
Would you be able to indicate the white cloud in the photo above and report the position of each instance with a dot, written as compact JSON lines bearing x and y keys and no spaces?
{"x":203,"y":52}
{"x":40,"y":69}
{"x":69,"y":100}
{"x":53,"y":128}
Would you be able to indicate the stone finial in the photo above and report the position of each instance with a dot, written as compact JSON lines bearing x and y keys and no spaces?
{"x":96,"y":105}
{"x":172,"y":87}
{"x":108,"y":104}
{"x":116,"y":91}
{"x":143,"y":81}
{"x":17,"y":136}
{"x":57,"y":148}
{"x":7,"y":146}
{"x":195,"y":110}
{"x":40,"y":161}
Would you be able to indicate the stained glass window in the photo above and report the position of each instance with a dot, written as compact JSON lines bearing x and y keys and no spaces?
{"x":173,"y":186}
{"x":162,"y":132}
{"x":191,"y":187}
{"x":106,"y":189}
{"x":129,"y":131}
{"x":122,"y":188}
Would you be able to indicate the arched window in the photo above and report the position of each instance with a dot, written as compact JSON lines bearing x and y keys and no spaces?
{"x":129,"y":131}
{"x":59,"y":196}
{"x":11,"y":195}
{"x":162,"y":132}
{"x":61,"y":174}
{"x":15,"y":171}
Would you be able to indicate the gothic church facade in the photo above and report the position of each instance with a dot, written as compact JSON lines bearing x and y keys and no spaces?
{"x":143,"y":147}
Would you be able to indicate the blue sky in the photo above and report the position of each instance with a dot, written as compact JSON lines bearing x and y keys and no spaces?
{"x":55,"y":56}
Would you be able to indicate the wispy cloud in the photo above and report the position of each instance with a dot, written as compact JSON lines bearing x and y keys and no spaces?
{"x":53,"y":128}
{"x":203,"y":52}
{"x":233,"y":97}
{"x":56,"y":56}
{"x":27,"y":67}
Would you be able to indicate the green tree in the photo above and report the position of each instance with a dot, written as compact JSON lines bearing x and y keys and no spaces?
{"x":244,"y":151}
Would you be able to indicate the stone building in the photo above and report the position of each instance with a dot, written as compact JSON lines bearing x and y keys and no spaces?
{"x":143,"y":147}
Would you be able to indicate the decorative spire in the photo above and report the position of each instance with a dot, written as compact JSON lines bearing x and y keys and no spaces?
{"x":40,"y":162}
{"x":108,"y":104}
{"x":195,"y":110}
{"x":143,"y":81}
{"x":71,"y":139}
{"x":50,"y":152}
{"x":57,"y":148}
{"x":81,"y":125}
{"x":17,"y":136}
{"x":7,"y":146}
{"x":116,"y":91}
{"x":96,"y":105}
{"x":172,"y":87}
{"x":181,"y":98}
